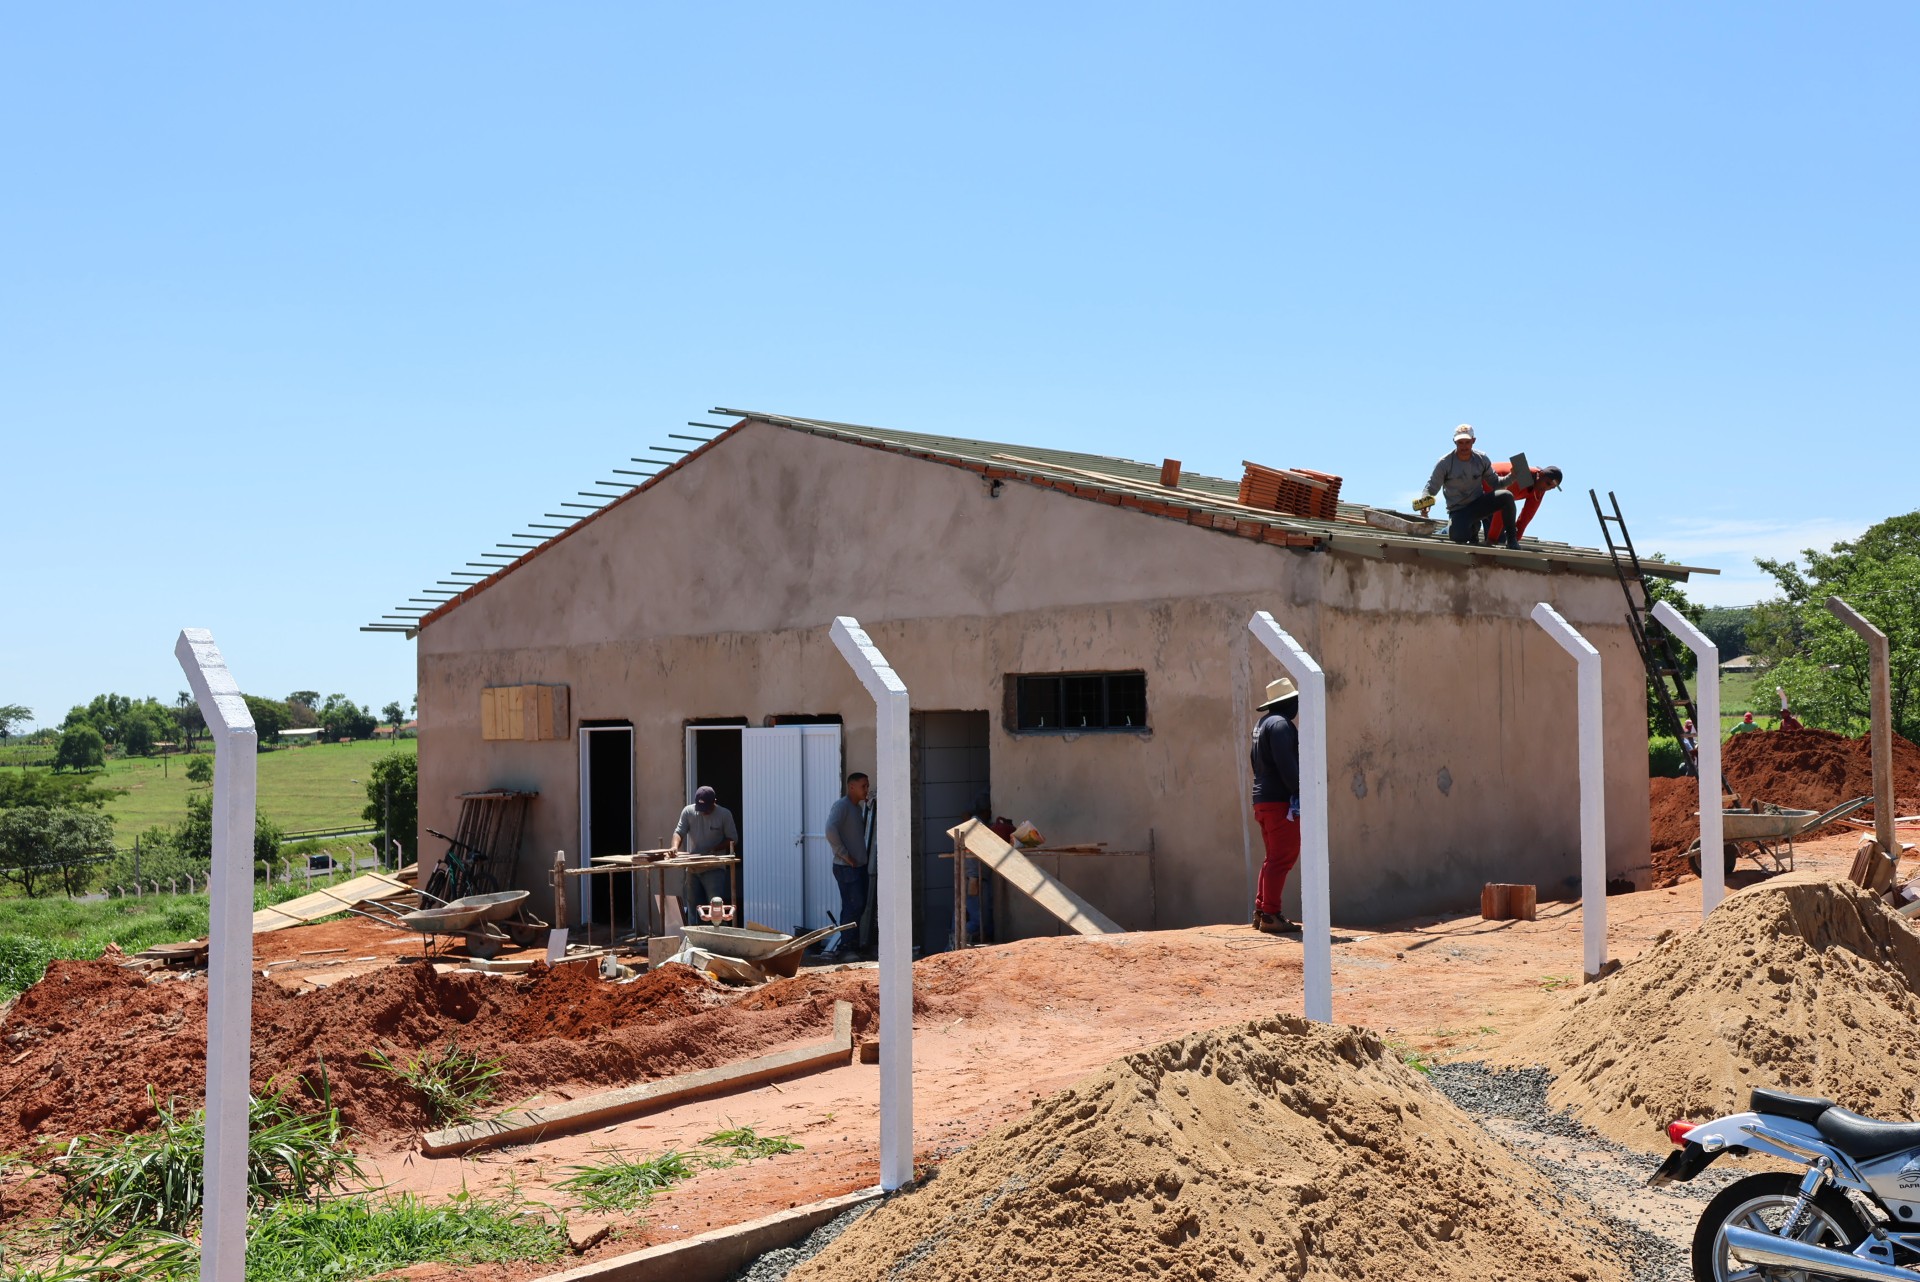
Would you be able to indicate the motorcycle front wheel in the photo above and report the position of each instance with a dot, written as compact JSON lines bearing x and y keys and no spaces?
{"x":1761,"y":1203}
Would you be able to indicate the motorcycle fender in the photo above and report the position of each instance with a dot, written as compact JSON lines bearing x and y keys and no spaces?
{"x":1683,"y":1164}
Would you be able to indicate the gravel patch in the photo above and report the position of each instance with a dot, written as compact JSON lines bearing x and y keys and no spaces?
{"x":775,"y":1265}
{"x":1610,"y":1178}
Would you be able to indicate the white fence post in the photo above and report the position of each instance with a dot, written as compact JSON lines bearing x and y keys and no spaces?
{"x":223,"y":1238}
{"x":1706,"y":743}
{"x":1316,"y":892}
{"x":1593,"y":801}
{"x":893,"y":911}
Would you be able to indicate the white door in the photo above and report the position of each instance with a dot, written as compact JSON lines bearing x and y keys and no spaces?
{"x":772,"y":823}
{"x":789,"y":776}
{"x":819,"y":787}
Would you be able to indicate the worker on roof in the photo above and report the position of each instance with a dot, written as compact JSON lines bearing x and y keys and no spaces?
{"x":1276,"y":802}
{"x":850,"y":838}
{"x":706,"y":828}
{"x":1466,"y":479}
{"x":1746,"y":724}
{"x":1528,"y":493}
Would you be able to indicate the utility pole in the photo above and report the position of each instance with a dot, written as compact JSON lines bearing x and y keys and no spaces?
{"x":386,"y":820}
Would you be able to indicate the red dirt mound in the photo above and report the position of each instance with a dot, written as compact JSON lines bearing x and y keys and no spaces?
{"x":1816,"y":769}
{"x":88,"y":1039}
{"x":1800,"y":769}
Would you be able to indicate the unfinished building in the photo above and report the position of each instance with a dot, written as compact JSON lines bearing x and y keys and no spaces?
{"x":1073,"y":632}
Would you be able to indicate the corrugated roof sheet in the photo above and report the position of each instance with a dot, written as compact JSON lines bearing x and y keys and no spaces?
{"x":1209,"y":502}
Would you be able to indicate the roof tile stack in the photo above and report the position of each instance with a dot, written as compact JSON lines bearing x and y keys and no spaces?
{"x":1298,"y":492}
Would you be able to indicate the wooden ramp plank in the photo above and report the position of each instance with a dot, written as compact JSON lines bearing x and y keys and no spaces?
{"x":528,"y":1125}
{"x":1031,"y":880}
{"x":328,"y":901}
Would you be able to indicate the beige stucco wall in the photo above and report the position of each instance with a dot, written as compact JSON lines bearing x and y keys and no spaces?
{"x":710,"y":595}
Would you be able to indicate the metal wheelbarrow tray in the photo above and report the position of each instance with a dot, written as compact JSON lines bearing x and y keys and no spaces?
{"x":1766,"y":832}
{"x":465,"y":914}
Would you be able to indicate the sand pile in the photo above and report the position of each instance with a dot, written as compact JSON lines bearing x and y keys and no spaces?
{"x":1278,"y":1149}
{"x":1804,"y":984}
{"x":82,"y":1045}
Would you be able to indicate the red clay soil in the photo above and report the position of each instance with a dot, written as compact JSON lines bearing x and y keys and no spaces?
{"x":1799,"y":769}
{"x":87,"y":1040}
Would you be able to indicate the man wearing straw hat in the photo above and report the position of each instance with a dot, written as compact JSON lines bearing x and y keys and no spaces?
{"x":1276,"y":802}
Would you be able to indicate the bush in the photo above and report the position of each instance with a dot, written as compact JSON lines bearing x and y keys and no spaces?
{"x":81,"y":748}
{"x":395,"y":781}
{"x":1665,"y":760}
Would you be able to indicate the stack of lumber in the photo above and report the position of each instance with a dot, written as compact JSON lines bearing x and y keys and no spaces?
{"x":1298,"y":492}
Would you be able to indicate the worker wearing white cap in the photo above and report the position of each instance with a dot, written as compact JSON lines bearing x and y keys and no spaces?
{"x":1276,"y":802}
{"x":1466,"y":479}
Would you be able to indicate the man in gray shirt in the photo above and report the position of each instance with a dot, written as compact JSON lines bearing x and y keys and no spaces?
{"x":706,"y":828}
{"x":849,"y":822}
{"x":1466,"y":479}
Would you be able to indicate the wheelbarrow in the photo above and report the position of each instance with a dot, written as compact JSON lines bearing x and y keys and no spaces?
{"x":1766,"y":832}
{"x":473,"y":917}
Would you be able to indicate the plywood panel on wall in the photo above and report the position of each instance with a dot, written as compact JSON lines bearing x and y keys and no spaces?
{"x":529,"y":712}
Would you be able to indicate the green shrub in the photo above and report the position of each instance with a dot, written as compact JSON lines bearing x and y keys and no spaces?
{"x":452,"y":1083}
{"x":624,"y":1183}
{"x":1665,"y":760}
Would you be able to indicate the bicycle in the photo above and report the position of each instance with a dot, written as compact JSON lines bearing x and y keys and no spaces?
{"x":462,"y":871}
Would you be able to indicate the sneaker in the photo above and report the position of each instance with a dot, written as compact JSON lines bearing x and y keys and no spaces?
{"x":1275,"y":924}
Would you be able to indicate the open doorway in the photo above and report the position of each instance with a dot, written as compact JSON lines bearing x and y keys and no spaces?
{"x":950,"y":774}
{"x":606,"y":820}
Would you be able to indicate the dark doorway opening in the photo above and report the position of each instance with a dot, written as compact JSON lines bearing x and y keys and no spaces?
{"x":713,"y":760}
{"x":950,"y":776}
{"x":606,"y":815}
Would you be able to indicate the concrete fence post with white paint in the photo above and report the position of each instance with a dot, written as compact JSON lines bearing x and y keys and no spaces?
{"x":223,"y":1237}
{"x":893,"y":907}
{"x":1706,"y":740}
{"x":1316,"y":894}
{"x":1593,"y":801}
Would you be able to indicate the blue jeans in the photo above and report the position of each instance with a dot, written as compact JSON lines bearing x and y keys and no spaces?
{"x":853,"y":902}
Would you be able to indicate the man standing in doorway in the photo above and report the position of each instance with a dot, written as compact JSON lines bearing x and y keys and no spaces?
{"x":706,"y":828}
{"x":847,"y":836}
{"x":1276,"y":802}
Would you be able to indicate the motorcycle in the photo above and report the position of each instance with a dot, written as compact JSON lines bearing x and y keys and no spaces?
{"x":1853,"y":1212}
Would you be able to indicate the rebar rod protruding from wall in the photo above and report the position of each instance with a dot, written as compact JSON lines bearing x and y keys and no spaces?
{"x":893,"y":909}
{"x":223,"y":1238}
{"x":1880,"y":721}
{"x":1593,"y":800}
{"x":1706,"y":754}
{"x":1316,"y":896}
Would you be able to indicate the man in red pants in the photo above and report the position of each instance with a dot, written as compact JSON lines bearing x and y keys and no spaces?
{"x":1276,"y":802}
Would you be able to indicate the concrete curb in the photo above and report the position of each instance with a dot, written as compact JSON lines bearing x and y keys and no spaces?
{"x":716,"y":1256}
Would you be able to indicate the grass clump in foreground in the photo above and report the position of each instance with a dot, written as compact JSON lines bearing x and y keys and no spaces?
{"x":626,"y":1184}
{"x":452,"y":1083}
{"x":133,"y":1204}
{"x":153,"y":1180}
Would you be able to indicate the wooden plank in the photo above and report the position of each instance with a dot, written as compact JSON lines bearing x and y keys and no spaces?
{"x":530,"y":1125}
{"x":327,"y":901}
{"x":515,"y":726}
{"x":489,"y":714}
{"x":718,"y":1254}
{"x":1030,"y":880}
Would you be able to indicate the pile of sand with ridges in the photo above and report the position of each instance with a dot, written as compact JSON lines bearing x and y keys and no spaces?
{"x":1276,"y":1149}
{"x":1801,"y":983}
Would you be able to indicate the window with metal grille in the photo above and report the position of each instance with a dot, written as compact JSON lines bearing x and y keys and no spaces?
{"x":1078,"y":702}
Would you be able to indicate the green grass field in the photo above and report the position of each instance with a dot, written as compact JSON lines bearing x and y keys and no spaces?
{"x":301,"y":789}
{"x":35,"y":931}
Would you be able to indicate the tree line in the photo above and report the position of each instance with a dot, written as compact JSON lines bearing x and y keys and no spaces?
{"x":111,"y":724}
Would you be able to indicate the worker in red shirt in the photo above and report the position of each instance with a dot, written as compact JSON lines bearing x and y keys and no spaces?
{"x":1544,"y":479}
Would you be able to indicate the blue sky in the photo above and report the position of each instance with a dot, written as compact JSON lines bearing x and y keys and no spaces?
{"x":302,"y":307}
